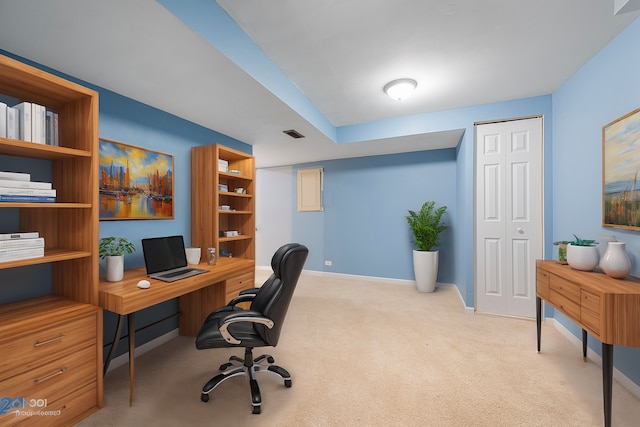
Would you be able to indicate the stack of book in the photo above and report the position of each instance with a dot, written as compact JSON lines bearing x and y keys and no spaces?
{"x":29,"y":121}
{"x":18,"y":187}
{"x":16,"y":246}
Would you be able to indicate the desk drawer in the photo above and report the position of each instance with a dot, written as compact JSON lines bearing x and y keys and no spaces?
{"x":46,"y":344}
{"x":240,"y":282}
{"x":55,"y":379}
{"x":542,"y":283}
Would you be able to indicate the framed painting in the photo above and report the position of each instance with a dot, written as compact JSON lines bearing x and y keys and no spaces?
{"x":620,"y":167}
{"x":135,"y":183}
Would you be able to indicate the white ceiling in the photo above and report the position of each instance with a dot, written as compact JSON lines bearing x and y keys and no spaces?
{"x":338,"y":53}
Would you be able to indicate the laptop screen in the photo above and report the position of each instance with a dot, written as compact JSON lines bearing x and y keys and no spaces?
{"x":163,"y":253}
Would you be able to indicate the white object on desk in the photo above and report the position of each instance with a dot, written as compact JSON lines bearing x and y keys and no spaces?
{"x":144,"y":284}
{"x":193,"y":255}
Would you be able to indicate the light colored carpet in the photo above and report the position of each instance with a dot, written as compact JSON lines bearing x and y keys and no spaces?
{"x":370,"y":353}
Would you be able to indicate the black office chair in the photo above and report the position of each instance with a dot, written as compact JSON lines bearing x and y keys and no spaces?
{"x":259,"y":326}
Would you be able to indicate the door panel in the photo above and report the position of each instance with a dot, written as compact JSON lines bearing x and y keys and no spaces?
{"x":508,"y":230}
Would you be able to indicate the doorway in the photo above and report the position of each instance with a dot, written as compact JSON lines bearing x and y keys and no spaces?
{"x":508,"y":215}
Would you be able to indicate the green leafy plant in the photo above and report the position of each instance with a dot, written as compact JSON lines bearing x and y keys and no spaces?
{"x":426,"y":225}
{"x":582,"y":242}
{"x":115,"y":246}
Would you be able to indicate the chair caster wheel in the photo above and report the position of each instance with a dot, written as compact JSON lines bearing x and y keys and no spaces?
{"x":204,"y":397}
{"x":224,"y":366}
{"x":255,"y":410}
{"x":287,"y":383}
{"x":271,"y":359}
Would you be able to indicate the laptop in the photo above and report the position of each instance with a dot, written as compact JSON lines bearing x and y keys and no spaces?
{"x":166,"y":260}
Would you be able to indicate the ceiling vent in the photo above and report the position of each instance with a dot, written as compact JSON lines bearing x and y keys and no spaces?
{"x":293,"y":133}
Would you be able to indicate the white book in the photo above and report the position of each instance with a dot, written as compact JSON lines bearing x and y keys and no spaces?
{"x":49,"y":139}
{"x":13,"y":129}
{"x":3,"y":120}
{"x":16,"y":254}
{"x":24,"y":120}
{"x":28,"y":191}
{"x":15,"y":176}
{"x":24,"y":184}
{"x":16,"y":236}
{"x":38,"y":125}
{"x":22,"y":243}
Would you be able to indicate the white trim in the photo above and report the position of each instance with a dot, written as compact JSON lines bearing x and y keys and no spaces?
{"x":123,"y":359}
{"x":593,"y":356}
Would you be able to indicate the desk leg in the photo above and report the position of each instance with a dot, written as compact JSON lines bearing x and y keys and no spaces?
{"x":607,"y":381}
{"x":114,"y":346}
{"x":538,"y":319}
{"x":584,"y":345}
{"x":132,"y":349}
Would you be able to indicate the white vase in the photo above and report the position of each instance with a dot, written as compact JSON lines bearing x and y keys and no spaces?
{"x":603,"y":241}
{"x":425,"y":268}
{"x":115,"y":268}
{"x":583,"y":258}
{"x":615,"y":261}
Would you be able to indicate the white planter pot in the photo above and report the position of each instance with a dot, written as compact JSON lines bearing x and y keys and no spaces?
{"x":115,"y":268}
{"x":583,"y":258}
{"x":615,"y":261}
{"x":425,"y":268}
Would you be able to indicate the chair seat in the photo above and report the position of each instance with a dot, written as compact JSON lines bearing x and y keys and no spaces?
{"x":210,"y":336}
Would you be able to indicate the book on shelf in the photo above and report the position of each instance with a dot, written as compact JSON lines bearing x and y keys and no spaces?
{"x":26,"y":198}
{"x":19,"y":235}
{"x":38,"y":242}
{"x":13,"y":129}
{"x":11,"y":191}
{"x":38,"y":123}
{"x":52,"y":128}
{"x":14,"y":183}
{"x":24,"y":120}
{"x":15,"y":176}
{"x":3,"y":120}
{"x":18,"y":254}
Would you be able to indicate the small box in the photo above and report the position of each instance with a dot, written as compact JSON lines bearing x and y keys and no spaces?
{"x":223,"y":188}
{"x":223,"y":165}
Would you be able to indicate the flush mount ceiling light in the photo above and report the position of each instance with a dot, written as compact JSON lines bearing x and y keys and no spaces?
{"x":400,"y":89}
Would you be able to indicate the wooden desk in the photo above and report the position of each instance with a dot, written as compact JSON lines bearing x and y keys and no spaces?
{"x":607,"y":308}
{"x":199,"y":295}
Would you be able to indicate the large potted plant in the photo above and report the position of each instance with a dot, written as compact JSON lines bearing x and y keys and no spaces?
{"x":112,"y":249}
{"x":426,"y":226}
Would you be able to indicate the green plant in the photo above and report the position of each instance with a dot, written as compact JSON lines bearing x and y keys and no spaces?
{"x":426,"y":225}
{"x":582,"y":242}
{"x":115,"y":246}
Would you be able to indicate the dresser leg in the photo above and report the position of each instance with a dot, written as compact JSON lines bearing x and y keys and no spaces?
{"x":584,"y":345}
{"x":538,"y":319}
{"x":132,"y":349}
{"x":607,"y":381}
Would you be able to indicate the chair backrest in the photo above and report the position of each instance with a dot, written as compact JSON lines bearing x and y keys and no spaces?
{"x":274,"y":296}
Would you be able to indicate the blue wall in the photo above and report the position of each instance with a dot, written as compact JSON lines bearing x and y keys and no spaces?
{"x":603,"y":90}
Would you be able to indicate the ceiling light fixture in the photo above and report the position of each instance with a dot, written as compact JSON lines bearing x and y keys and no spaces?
{"x":400,"y":89}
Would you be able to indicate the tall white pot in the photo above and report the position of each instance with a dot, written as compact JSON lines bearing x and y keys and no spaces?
{"x":425,"y":268}
{"x":115,"y":268}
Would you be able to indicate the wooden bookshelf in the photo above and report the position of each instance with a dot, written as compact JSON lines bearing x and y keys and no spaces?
{"x":70,"y":229}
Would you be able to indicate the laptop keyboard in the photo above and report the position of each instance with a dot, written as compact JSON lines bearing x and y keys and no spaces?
{"x":174,"y":273}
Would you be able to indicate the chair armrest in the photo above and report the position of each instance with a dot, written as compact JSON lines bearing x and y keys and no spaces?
{"x":240,"y":298}
{"x":241,"y":316}
{"x":250,"y":291}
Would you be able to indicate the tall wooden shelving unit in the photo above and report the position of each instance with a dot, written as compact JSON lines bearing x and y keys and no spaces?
{"x":52,"y":345}
{"x":208,"y":220}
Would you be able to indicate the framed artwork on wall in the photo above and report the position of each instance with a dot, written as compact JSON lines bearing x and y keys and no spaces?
{"x":135,"y":183}
{"x":620,"y":168}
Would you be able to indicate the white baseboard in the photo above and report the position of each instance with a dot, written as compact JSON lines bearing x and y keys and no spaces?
{"x":617,"y":375}
{"x":123,"y":359}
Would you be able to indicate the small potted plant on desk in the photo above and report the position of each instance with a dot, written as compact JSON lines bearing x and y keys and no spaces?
{"x":112,"y":249}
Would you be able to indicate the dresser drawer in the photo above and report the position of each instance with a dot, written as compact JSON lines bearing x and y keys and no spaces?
{"x":565,"y":288}
{"x":564,"y":304}
{"x":542,"y":283}
{"x":590,"y":311}
{"x":47,"y":344}
{"x":240,"y":282}
{"x":55,"y":379}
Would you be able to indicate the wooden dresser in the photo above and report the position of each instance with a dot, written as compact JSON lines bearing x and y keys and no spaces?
{"x":607,"y":308}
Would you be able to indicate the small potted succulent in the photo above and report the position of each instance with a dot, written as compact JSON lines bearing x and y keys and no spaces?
{"x":112,"y":249}
{"x":582,"y":254}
